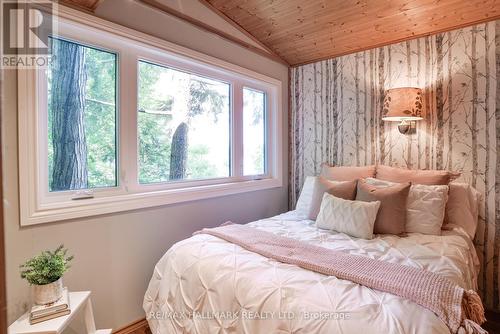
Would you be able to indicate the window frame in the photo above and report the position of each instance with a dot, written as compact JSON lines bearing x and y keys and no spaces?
{"x":266,"y":129}
{"x":54,"y":196}
{"x":38,"y":205}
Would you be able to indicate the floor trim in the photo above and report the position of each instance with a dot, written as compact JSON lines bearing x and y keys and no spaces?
{"x":138,"y":327}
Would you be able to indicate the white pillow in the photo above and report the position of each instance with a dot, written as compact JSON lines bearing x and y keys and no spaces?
{"x":305,"y":199}
{"x":312,"y":193}
{"x":425,"y":206}
{"x":355,"y":218}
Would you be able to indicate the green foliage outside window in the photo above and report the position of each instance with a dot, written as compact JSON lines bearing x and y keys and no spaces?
{"x":159,"y":105}
{"x":99,"y":115}
{"x":201,"y":103}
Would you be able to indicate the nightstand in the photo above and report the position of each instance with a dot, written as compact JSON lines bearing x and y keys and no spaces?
{"x":78,"y":302}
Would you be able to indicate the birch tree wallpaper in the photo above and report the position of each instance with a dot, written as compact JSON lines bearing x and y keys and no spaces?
{"x":335,"y":118}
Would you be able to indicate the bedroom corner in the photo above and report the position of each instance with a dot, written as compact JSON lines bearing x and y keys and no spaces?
{"x":250,"y":166}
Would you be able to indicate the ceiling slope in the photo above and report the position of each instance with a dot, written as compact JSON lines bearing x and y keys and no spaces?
{"x":306,"y":31}
{"x":178,"y":10}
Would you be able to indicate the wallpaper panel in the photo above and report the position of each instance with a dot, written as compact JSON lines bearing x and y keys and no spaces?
{"x":335,"y":118}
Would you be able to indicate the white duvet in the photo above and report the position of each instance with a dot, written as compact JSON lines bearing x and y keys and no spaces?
{"x":206,"y":285}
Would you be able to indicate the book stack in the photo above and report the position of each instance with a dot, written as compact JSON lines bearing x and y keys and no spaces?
{"x":40,"y":313}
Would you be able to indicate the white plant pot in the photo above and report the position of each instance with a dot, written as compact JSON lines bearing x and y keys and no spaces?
{"x":48,"y":293}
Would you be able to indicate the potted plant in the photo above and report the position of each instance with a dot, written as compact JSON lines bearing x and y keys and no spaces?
{"x":44,"y":272}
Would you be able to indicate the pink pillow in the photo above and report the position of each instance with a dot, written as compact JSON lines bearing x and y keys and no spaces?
{"x":462,"y":208}
{"x":345,"y":190}
{"x":391,"y":217}
{"x":346,"y":173}
{"x":427,"y":177}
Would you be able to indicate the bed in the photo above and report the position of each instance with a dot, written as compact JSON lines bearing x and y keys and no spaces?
{"x":206,"y":285}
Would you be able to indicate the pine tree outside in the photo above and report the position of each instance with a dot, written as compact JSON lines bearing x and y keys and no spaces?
{"x":82,"y":117}
{"x":171,"y":101}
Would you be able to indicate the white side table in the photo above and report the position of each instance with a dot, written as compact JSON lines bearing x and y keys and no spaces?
{"x":78,"y":302}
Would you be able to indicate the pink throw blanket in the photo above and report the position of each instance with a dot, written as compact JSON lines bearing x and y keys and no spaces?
{"x":458,"y":308}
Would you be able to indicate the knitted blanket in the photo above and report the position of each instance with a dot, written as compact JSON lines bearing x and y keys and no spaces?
{"x":461,"y":310}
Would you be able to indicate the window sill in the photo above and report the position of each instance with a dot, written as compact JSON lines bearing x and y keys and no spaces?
{"x":46,"y":213}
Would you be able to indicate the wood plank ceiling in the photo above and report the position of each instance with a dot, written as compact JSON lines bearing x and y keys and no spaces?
{"x":89,"y":5}
{"x":304,"y":31}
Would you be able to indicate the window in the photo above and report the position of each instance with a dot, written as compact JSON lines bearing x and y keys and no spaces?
{"x":81,"y":102}
{"x":254,"y":130}
{"x":184,"y":124}
{"x":121,"y":121}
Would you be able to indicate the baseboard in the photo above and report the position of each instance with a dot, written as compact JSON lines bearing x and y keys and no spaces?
{"x":138,"y":327}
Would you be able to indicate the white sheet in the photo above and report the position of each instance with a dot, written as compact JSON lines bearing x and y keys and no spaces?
{"x":206,"y":285}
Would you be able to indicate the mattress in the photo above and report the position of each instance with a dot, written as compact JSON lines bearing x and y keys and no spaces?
{"x":206,"y":285}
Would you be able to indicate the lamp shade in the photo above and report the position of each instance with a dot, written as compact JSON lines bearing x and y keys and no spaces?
{"x":403,"y":104}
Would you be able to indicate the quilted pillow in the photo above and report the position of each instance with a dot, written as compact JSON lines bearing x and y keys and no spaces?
{"x":391,"y":218}
{"x":346,"y":173}
{"x":428,"y":177}
{"x":344,"y":190}
{"x":354,"y":218}
{"x":425,"y":207}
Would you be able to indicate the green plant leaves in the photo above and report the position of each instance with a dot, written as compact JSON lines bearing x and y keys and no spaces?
{"x":47,"y":267}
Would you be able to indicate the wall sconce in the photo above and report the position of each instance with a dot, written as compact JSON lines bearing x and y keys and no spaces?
{"x":404,"y":105}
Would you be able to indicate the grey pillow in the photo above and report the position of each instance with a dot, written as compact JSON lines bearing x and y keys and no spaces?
{"x":345,"y":190}
{"x":391,"y":217}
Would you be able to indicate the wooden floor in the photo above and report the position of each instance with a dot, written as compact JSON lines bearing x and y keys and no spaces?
{"x":141,"y":331}
{"x":144,"y":331}
{"x":137,"y":327}
{"x":492,"y":324}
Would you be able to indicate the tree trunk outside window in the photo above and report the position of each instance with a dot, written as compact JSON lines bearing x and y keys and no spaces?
{"x":68,"y":107}
{"x":179,"y":152}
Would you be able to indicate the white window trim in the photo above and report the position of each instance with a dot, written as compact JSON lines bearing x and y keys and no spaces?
{"x":38,"y":206}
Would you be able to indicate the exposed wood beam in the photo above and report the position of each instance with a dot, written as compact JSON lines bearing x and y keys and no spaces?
{"x":85,"y":5}
{"x":205,"y":27}
{"x":97,"y":4}
{"x":74,"y":5}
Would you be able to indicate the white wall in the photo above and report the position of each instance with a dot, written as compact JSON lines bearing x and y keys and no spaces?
{"x":115,"y":254}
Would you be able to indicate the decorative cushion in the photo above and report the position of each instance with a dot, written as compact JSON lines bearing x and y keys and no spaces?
{"x":425,"y":206}
{"x":462,"y":208}
{"x":305,"y":199}
{"x":428,"y":177}
{"x":346,"y":173}
{"x":344,"y":190}
{"x":354,"y":218}
{"x":391,"y":218}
